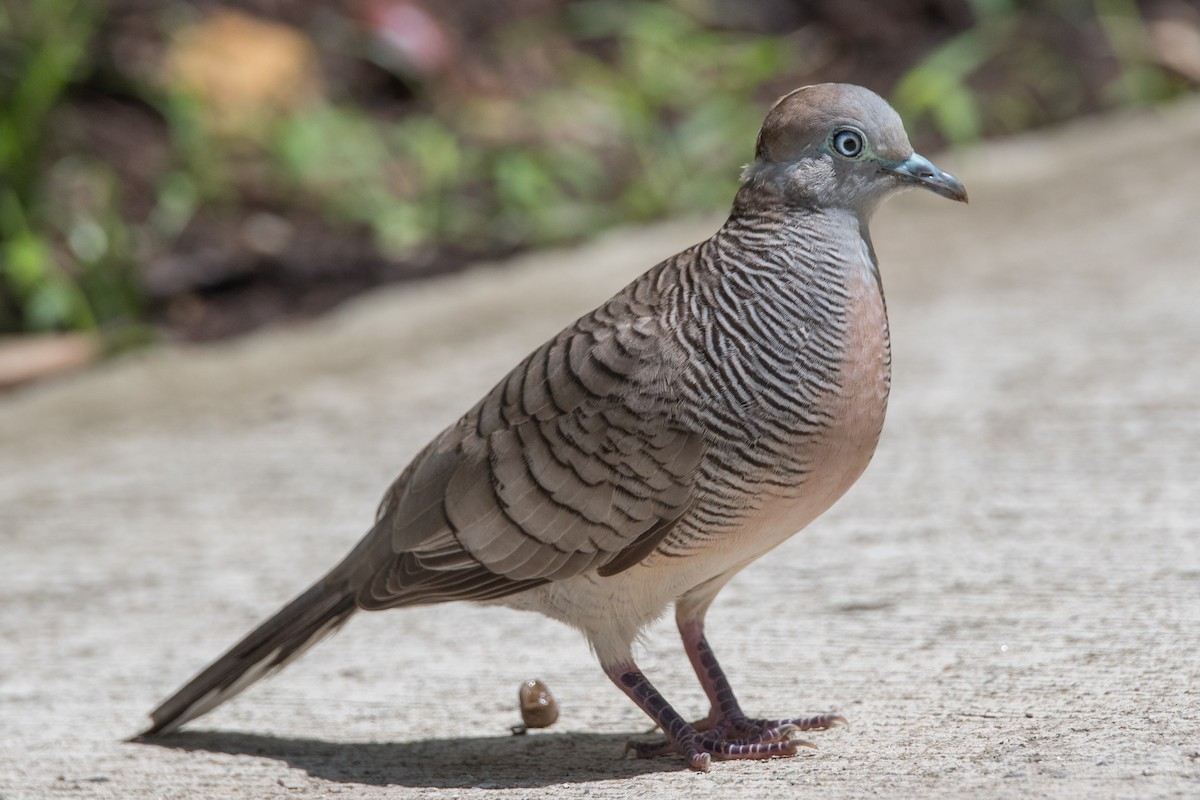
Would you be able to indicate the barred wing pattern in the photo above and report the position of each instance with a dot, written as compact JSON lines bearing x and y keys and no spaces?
{"x":573,"y":462}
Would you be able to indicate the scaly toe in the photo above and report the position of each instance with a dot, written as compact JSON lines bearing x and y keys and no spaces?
{"x":760,"y":750}
{"x":818,"y":722}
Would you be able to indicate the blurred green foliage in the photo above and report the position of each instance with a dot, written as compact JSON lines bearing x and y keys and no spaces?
{"x":45,"y":48}
{"x":647,"y":113}
{"x":65,"y":254}
{"x":1033,"y":79}
{"x":673,"y":97}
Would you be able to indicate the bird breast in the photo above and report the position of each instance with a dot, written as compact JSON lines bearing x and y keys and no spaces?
{"x":856,"y":409}
{"x":801,"y":406}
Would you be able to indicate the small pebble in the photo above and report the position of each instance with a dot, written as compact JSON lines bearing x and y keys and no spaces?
{"x":538,"y":709}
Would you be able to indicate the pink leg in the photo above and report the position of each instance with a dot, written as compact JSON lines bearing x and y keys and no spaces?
{"x":698,"y":748}
{"x":726,"y":716}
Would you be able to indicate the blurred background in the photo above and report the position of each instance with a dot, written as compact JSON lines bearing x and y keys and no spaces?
{"x":194,"y":170}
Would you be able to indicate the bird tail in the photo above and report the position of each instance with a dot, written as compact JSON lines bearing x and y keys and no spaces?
{"x":299,"y":625}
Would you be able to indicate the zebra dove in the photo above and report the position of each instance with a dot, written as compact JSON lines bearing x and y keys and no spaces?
{"x":656,"y":446}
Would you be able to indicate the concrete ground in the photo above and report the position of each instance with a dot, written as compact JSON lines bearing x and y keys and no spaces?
{"x":1007,"y":605}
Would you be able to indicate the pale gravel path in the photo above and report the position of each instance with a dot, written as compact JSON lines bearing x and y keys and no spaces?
{"x":1007,"y":605}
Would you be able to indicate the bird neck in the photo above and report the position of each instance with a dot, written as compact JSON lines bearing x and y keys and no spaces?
{"x":796,"y":241}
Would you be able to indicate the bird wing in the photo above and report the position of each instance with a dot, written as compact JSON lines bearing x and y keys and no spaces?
{"x":573,"y":462}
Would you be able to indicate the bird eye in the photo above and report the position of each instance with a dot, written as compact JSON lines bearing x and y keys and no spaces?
{"x":848,"y":142}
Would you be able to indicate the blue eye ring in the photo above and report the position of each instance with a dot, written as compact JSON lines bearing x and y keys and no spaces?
{"x":848,"y":142}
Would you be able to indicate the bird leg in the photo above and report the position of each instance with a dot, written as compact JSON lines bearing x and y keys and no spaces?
{"x":699,"y":748}
{"x":726,"y":718}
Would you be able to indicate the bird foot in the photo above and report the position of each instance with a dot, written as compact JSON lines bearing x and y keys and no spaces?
{"x":751,"y":726}
{"x":737,"y":737}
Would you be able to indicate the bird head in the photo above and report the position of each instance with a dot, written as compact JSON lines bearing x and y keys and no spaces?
{"x":839,"y":145}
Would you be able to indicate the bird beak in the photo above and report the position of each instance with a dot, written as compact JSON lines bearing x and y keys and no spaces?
{"x":920,"y":171}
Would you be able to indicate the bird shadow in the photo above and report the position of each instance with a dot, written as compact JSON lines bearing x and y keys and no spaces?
{"x":497,"y":762}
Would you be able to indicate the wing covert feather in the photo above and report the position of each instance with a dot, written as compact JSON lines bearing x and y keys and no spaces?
{"x":573,"y":462}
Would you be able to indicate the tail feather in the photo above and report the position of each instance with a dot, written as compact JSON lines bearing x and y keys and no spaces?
{"x":296,"y":627}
